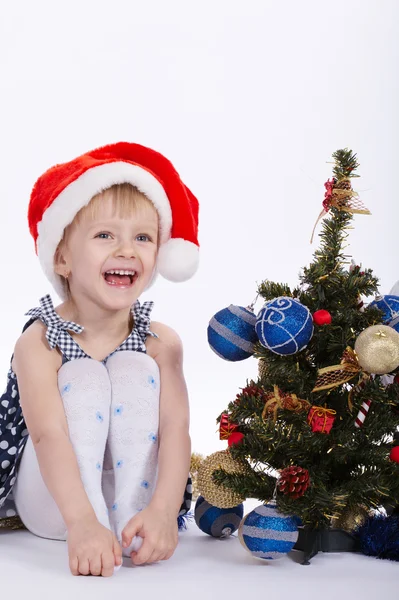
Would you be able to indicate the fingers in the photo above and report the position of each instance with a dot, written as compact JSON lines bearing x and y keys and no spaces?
{"x":84,"y":566}
{"x":142,"y":556}
{"x":168,"y":554}
{"x":117,"y":553}
{"x":95,"y":565}
{"x":108,"y":564}
{"x":103,"y":565}
{"x":74,"y":565}
{"x":148,"y":554}
{"x":132,"y":528}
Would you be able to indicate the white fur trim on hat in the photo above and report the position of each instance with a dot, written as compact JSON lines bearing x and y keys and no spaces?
{"x":79,"y":193}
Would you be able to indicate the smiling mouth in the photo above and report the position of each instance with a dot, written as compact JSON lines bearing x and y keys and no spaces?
{"x":119,"y":278}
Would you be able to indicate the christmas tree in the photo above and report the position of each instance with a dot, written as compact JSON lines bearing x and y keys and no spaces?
{"x":322,"y":413}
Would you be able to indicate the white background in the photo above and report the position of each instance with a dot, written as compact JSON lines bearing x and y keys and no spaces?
{"x":248,"y":99}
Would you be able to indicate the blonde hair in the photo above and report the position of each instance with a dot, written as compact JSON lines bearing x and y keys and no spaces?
{"x":126,"y":200}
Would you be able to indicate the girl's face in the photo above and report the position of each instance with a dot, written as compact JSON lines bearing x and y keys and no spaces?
{"x":97,"y":247}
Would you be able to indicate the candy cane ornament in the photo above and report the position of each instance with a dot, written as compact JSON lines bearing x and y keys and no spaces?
{"x":362,"y":414}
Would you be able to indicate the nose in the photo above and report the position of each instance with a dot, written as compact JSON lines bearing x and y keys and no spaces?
{"x":127,"y":249}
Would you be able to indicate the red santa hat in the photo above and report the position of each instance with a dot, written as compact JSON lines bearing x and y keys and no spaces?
{"x":64,"y":189}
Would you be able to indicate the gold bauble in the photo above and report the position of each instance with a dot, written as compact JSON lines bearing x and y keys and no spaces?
{"x":195,"y":463}
{"x":262,"y":368}
{"x":377,"y":349}
{"x":218,"y":495}
{"x":351,"y":518}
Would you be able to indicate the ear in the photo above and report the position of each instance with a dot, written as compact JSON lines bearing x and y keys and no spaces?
{"x":60,"y":261}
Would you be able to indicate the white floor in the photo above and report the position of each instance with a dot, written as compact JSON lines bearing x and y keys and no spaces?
{"x":201,"y":568}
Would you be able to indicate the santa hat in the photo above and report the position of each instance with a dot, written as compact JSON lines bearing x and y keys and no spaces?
{"x":64,"y":189}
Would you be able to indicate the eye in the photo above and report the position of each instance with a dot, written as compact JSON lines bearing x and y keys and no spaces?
{"x":103,"y":233}
{"x":145,"y":236}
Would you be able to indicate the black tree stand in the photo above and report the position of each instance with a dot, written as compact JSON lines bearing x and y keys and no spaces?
{"x":313,"y":541}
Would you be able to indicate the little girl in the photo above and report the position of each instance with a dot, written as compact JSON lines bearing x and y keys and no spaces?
{"x":94,"y":441}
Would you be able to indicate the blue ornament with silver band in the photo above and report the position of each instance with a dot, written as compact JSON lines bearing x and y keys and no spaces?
{"x":267,"y":533}
{"x":389,"y":305}
{"x":231,"y":333}
{"x":284,"y":326}
{"x":217,"y":522}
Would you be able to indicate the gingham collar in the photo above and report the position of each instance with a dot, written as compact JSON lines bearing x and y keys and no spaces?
{"x":57,"y":333}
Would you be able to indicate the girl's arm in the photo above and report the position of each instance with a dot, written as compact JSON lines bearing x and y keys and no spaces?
{"x":174,"y":439}
{"x":36,"y":368}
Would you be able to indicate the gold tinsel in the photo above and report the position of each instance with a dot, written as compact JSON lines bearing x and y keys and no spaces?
{"x":215,"y":494}
{"x":11,"y":523}
{"x":330,"y":377}
{"x":278,"y":399}
{"x":377,"y":349}
{"x":196,"y":462}
{"x":344,"y":198}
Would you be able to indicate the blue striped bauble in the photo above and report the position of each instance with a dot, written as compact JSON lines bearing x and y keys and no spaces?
{"x":284,"y":326}
{"x":267,"y":533}
{"x":217,"y":522}
{"x":231,"y":333}
{"x":390,"y":310}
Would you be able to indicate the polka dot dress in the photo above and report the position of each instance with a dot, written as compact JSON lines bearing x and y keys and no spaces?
{"x":13,"y":431}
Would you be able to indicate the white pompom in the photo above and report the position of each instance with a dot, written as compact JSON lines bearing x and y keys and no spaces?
{"x":178,"y":259}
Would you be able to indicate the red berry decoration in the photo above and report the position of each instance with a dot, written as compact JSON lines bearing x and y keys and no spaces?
{"x":293,"y":481}
{"x":235,"y":438}
{"x":322,"y":317}
{"x":394,"y":454}
{"x":396,"y":378}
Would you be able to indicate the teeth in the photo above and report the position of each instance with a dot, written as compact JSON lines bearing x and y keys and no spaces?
{"x":122,"y":272}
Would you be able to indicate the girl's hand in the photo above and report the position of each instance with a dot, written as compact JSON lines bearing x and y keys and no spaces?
{"x":159,"y":531}
{"x":93,"y":549}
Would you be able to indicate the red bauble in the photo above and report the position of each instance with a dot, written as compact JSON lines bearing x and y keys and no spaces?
{"x":235,"y":438}
{"x":322,"y":317}
{"x":394,"y":454}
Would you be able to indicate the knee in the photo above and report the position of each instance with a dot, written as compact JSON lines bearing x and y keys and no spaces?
{"x":131,"y":359}
{"x":86,"y":371}
{"x":134,"y":368}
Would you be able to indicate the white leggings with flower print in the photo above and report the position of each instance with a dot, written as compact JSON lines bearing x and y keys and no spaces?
{"x":112,"y":412}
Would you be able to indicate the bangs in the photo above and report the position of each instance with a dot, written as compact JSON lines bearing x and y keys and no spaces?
{"x":125,"y":198}
{"x":126,"y":201}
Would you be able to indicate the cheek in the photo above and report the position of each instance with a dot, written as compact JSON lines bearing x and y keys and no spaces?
{"x":87,"y":259}
{"x":152,"y":254}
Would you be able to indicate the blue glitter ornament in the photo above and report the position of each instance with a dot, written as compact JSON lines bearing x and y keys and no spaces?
{"x":231,"y":333}
{"x":284,"y":325}
{"x":217,"y":522}
{"x":390,"y":309}
{"x":267,"y":533}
